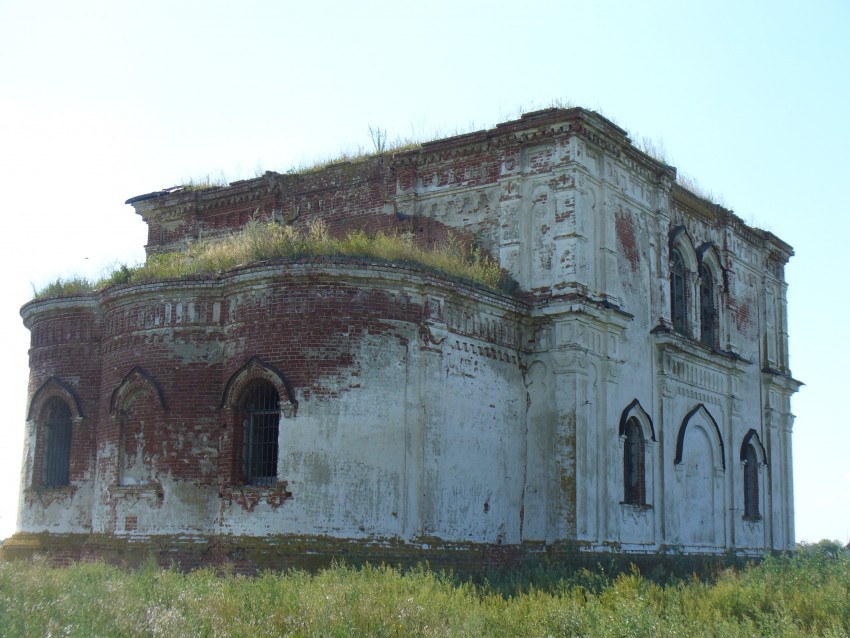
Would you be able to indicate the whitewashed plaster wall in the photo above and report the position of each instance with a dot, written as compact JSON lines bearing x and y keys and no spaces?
{"x":451,"y":437}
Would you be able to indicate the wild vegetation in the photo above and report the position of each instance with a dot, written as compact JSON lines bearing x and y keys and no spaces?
{"x":262,"y":241}
{"x":654,"y":147}
{"x":804,"y":595}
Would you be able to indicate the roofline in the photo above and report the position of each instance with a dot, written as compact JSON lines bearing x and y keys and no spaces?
{"x":576,"y":118}
{"x":571,"y":121}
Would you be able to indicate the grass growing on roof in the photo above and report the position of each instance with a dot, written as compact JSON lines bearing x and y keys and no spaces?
{"x":65,"y":287}
{"x":264,"y":241}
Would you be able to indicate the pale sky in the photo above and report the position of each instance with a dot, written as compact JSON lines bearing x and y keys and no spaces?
{"x":101,"y":101}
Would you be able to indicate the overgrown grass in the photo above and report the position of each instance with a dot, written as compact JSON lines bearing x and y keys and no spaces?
{"x":205,"y":182}
{"x":358,"y":154}
{"x":807,"y":595}
{"x":691,"y":184}
{"x":66,"y":287}
{"x":263,"y":241}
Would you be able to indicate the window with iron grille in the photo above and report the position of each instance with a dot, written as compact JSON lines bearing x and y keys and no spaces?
{"x":261,"y":411}
{"x":57,"y":449}
{"x":751,"y":484}
{"x":634,"y":471}
{"x":677,"y":293}
{"x":707,"y":308}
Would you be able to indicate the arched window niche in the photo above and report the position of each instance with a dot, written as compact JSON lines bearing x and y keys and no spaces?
{"x":54,"y":417}
{"x":707,"y":308}
{"x":138,"y":405}
{"x":683,"y":277}
{"x":634,"y":470}
{"x":260,"y":431}
{"x":678,"y":296}
{"x":697,"y":495}
{"x":256,"y":398}
{"x":636,"y":436}
{"x":56,"y":420}
{"x":711,"y":302}
{"x":753,"y":459}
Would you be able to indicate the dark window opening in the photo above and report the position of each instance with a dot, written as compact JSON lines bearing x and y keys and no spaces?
{"x":677,"y":293}
{"x":751,"y":484}
{"x":708,"y":313}
{"x":261,"y":411}
{"x":634,"y":471}
{"x":57,"y":458}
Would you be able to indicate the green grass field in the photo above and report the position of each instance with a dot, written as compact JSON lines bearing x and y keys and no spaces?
{"x":804,"y":595}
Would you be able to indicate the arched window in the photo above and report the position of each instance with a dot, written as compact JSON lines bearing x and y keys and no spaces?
{"x":634,"y":473}
{"x":57,"y":449}
{"x":261,"y":426}
{"x":751,"y":483}
{"x":678,"y":307}
{"x":708,"y":311}
{"x":138,"y":404}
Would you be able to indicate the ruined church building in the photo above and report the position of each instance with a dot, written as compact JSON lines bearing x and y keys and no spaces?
{"x":631,"y":393}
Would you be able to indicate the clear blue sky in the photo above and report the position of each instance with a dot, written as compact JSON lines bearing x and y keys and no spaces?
{"x":101,"y":101}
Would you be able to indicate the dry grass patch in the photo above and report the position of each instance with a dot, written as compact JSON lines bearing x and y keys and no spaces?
{"x":267,"y":241}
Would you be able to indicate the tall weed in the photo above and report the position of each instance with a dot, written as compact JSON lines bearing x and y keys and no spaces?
{"x":804,"y":595}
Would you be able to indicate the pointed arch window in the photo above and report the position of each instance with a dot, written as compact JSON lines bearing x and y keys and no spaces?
{"x":708,"y":310}
{"x":57,"y":450}
{"x":634,"y":464}
{"x":678,"y":297}
{"x":751,"y":483}
{"x":261,"y":427}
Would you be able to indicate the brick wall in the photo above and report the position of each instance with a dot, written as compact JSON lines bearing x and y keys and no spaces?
{"x":414,"y":406}
{"x":159,"y":400}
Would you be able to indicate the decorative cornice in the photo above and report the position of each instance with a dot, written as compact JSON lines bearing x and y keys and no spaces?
{"x":720,"y":360}
{"x":601,"y":311}
{"x":33,"y":310}
{"x":780,"y":379}
{"x":340,"y":270}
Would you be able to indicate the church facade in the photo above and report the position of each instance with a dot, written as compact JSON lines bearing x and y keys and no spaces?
{"x":631,"y":393}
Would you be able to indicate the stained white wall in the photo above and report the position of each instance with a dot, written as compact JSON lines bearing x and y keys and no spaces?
{"x":499,"y":429}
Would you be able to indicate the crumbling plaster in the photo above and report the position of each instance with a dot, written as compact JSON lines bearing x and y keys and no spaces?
{"x":424,"y":407}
